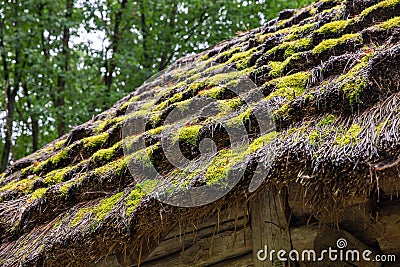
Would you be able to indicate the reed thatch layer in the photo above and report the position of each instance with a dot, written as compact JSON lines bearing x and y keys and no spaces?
{"x":330,"y":75}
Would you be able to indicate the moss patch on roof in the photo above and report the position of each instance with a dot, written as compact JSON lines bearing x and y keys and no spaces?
{"x":335,"y":26}
{"x":100,"y":211}
{"x":290,"y":86}
{"x":331,"y":43}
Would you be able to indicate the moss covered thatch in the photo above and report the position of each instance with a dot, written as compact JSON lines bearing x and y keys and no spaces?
{"x":330,"y":72}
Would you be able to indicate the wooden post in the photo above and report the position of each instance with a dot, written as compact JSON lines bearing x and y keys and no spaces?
{"x":270,"y":228}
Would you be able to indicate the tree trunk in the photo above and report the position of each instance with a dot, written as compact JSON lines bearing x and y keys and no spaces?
{"x":115,"y":39}
{"x":34,"y":121}
{"x":60,"y":101}
{"x":10,"y":93}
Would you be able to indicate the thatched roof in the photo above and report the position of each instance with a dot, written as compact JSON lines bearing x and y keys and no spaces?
{"x":330,"y":74}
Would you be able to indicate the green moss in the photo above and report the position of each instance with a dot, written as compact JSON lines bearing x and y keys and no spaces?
{"x":314,"y":137}
{"x":291,"y":47}
{"x":155,"y":118}
{"x":106,"y":206}
{"x":188,"y":134}
{"x":38,"y":193}
{"x":24,"y":185}
{"x":227,"y":77}
{"x":130,"y":101}
{"x":57,"y":224}
{"x":25,"y":171}
{"x":117,"y":166}
{"x":261,"y":141}
{"x":64,"y":188}
{"x":331,"y":43}
{"x":296,"y":31}
{"x":145,"y":155}
{"x":100,"y":211}
{"x":53,"y":161}
{"x":219,"y":168}
{"x":350,"y":136}
{"x":240,"y":119}
{"x":60,"y":144}
{"x":79,"y":216}
{"x":327,"y":120}
{"x":335,"y":26}
{"x":389,"y":24}
{"x":203,"y":57}
{"x":380,"y":126}
{"x":183,"y":105}
{"x":94,"y":142}
{"x":353,"y":82}
{"x":383,"y":4}
{"x":228,"y":53}
{"x":106,"y":124}
{"x":242,"y":59}
{"x":214,"y":92}
{"x":353,"y":88}
{"x":290,"y":86}
{"x":156,"y":131}
{"x":282,"y":112}
{"x":216,"y":172}
{"x":277,"y":67}
{"x":140,"y":191}
{"x":230,"y":104}
{"x":107,"y":154}
{"x":176,"y":97}
{"x":56,"y":176}
{"x":56,"y":159}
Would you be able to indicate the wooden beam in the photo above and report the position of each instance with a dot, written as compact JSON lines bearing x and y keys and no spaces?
{"x":270,"y":228}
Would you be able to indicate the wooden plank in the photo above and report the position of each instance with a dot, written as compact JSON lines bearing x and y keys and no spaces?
{"x":270,"y":228}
